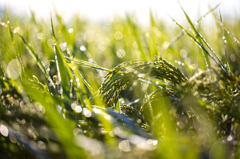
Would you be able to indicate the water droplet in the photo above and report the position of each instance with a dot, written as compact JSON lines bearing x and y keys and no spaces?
{"x":124,"y":146}
{"x":233,"y":57}
{"x":70,"y":30}
{"x":140,"y":75}
{"x":230,"y":138}
{"x":50,"y":42}
{"x":225,"y":41}
{"x":87,"y":113}
{"x":78,"y":109}
{"x":12,"y":138}
{"x":157,"y":83}
{"x":165,"y":44}
{"x":73,"y":105}
{"x":135,"y":45}
{"x":139,"y":121}
{"x":63,"y":46}
{"x":183,"y":53}
{"x":14,"y":69}
{"x":121,"y":53}
{"x":71,"y":80}
{"x":154,"y":142}
{"x":228,"y":32}
{"x":40,"y":36}
{"x":149,"y":141}
{"x":83,"y":48}
{"x":223,"y":37}
{"x":4,"y":130}
{"x":196,"y":23}
{"x":41,"y":145}
{"x":118,"y":35}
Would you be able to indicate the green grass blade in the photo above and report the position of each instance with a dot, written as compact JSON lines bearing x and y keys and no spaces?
{"x":196,"y":35}
{"x":200,"y":39}
{"x":15,"y":49}
{"x":61,"y":66}
{"x":136,"y":35}
{"x":62,"y":128}
{"x":198,"y":43}
{"x":88,"y":64}
{"x":39,"y":62}
{"x":182,"y":33}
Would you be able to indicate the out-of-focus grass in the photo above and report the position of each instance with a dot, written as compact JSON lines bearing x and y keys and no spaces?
{"x":119,"y":90}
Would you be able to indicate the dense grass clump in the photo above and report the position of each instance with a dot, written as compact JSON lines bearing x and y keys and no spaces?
{"x":118,"y":90}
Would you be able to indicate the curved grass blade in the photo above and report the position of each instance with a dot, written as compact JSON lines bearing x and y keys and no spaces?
{"x":199,"y":44}
{"x":136,"y":35}
{"x":15,"y":49}
{"x":62,"y":128}
{"x":39,"y":62}
{"x":64,"y":70}
{"x":61,"y":67}
{"x":88,"y":64}
{"x":182,"y":33}
{"x":130,"y":124}
{"x":200,"y":39}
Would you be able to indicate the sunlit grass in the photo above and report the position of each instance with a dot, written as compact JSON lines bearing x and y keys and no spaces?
{"x":119,"y":90}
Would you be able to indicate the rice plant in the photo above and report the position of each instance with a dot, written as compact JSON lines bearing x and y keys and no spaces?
{"x":118,"y":90}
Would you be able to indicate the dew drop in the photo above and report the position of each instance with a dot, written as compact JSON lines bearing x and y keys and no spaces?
{"x":140,"y":75}
{"x":124,"y":146}
{"x":12,"y":138}
{"x":14,"y":69}
{"x":41,"y":145}
{"x":78,"y":109}
{"x":118,"y":35}
{"x":40,"y":36}
{"x":83,"y":48}
{"x":154,"y":142}
{"x":183,"y":53}
{"x":4,"y":130}
{"x":121,"y":53}
{"x":70,"y":30}
{"x":63,"y":46}
{"x":87,"y":113}
{"x":149,"y":141}
{"x":229,"y":138}
{"x":233,"y":57}
{"x":73,"y":105}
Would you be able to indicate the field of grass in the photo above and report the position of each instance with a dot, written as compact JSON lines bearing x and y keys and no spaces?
{"x":119,"y":90}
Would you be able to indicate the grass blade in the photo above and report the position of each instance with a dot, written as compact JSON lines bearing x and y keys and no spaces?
{"x":39,"y":62}
{"x":200,"y":38}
